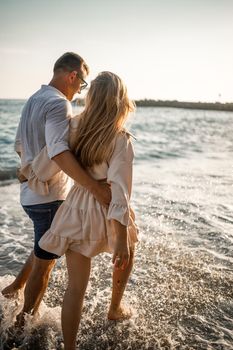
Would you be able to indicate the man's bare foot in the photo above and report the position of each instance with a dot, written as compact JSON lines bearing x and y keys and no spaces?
{"x":11,"y":291}
{"x":122,"y":313}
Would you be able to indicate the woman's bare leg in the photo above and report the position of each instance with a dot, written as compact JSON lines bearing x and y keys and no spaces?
{"x":78,"y":267}
{"x":20,"y":280}
{"x":120,"y":279}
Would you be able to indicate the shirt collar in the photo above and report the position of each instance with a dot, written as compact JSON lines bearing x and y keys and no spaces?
{"x":49,"y":87}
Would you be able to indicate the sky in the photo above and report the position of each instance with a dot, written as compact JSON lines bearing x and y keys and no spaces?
{"x":167,"y":49}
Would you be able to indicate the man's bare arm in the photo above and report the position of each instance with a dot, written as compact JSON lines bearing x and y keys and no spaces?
{"x":68,"y":163}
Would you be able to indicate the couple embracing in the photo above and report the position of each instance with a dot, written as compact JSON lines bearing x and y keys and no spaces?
{"x":91,"y":216}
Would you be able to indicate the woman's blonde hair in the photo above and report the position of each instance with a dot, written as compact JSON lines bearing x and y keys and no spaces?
{"x":106,"y":109}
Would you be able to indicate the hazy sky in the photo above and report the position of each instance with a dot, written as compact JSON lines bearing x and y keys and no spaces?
{"x":167,"y":49}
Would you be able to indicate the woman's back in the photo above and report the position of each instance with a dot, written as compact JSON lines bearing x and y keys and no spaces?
{"x":98,"y":171}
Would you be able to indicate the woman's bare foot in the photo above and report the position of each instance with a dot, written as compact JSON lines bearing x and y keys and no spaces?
{"x":119,"y":314}
{"x":11,"y":291}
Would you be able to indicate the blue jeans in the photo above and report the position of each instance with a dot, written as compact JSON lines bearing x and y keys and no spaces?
{"x":42,"y":216}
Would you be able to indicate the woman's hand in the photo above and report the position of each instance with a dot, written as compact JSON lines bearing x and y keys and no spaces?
{"x":121,"y":253}
{"x":20,"y":176}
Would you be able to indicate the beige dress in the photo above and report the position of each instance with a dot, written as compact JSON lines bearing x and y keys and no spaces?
{"x":81,"y":224}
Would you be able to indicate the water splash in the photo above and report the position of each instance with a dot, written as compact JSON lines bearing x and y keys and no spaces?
{"x":180,"y":300}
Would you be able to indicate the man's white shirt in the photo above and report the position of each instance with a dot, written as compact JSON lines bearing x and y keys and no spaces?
{"x":44,"y":122}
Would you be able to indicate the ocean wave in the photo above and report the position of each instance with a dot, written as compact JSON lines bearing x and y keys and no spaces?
{"x":8,"y":174}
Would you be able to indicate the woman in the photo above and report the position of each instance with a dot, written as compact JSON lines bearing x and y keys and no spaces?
{"x":82,"y":228}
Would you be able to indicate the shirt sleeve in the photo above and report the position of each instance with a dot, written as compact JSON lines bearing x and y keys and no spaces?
{"x":57,"y":127}
{"x":17,"y":145}
{"x":120,"y":176}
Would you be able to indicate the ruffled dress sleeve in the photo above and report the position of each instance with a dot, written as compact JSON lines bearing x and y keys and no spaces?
{"x":120,"y":177}
{"x":40,"y":172}
{"x":43,"y":170}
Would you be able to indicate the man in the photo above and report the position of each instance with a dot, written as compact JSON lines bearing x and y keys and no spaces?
{"x":45,"y":121}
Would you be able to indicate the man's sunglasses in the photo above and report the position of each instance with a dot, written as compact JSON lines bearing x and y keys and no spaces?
{"x":84,"y":84}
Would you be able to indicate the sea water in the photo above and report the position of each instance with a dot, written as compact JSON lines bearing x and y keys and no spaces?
{"x":180,"y":290}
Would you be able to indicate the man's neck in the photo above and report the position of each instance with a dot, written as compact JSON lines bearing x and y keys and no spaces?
{"x":61,"y":87}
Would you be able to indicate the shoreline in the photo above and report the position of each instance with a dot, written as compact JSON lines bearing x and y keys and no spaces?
{"x":211,"y":106}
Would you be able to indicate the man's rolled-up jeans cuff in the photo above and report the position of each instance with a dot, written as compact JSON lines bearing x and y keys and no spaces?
{"x":42,"y":216}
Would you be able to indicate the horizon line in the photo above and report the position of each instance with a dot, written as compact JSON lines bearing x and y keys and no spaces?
{"x":138,"y":99}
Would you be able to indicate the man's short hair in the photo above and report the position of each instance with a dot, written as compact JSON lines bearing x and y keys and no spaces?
{"x":70,"y":61}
